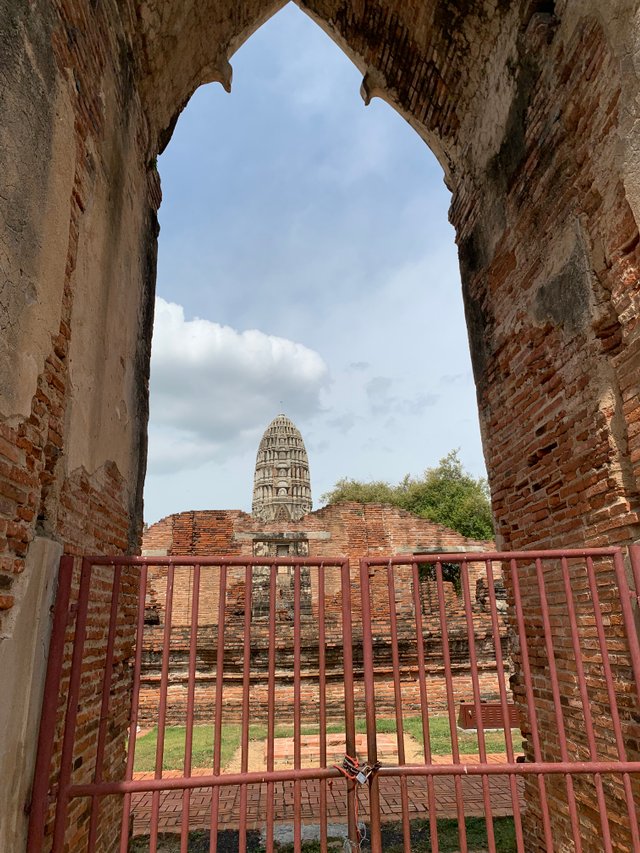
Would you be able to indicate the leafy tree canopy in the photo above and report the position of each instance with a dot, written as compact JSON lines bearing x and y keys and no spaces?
{"x":446,"y":494}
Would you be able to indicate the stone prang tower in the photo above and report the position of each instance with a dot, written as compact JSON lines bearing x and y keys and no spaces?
{"x":281,"y":485}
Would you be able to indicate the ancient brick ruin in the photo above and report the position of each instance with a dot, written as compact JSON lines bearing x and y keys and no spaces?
{"x":349,"y":530}
{"x":532,"y":110}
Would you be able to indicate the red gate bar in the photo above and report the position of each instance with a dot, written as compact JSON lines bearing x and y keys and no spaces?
{"x":104,"y":706}
{"x":397,"y":690}
{"x":424,"y":706}
{"x":451,"y":711}
{"x":66,"y":790}
{"x":506,"y":719}
{"x":370,"y":705}
{"x":529,"y":768}
{"x":405,"y":620}
{"x":349,"y":708}
{"x":615,"y":717}
{"x":40,"y":792}
{"x":634,"y":553}
{"x":191,"y":689}
{"x":246,"y":663}
{"x":486,"y":796}
{"x":322,"y":700}
{"x":133,"y":716}
{"x":531,"y":707}
{"x":271,"y":704}
{"x":555,"y":691}
{"x":66,"y":758}
{"x":217,"y":725}
{"x":162,"y":712}
{"x":586,"y":705}
{"x":297,"y":804}
{"x":537,"y":768}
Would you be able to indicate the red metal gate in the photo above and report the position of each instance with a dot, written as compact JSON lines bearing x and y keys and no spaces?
{"x":309,"y":674}
{"x":575,"y":651}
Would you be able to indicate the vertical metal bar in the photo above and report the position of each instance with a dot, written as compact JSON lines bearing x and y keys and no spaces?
{"x":271,"y":701}
{"x":627,"y":615}
{"x":586,"y":707}
{"x":66,"y":759}
{"x":370,"y":706}
{"x":104,"y":703}
{"x":462,"y":829}
{"x":397,"y":693}
{"x":246,"y":680}
{"x":531,"y":708}
{"x":349,"y":709}
{"x":46,"y":733}
{"x":473,"y":662}
{"x":613,"y":702}
{"x":162,"y":707}
{"x":557,"y":707}
{"x":634,"y":554}
{"x":495,"y":629}
{"x":191,"y":692}
{"x":424,"y":705}
{"x":133,"y":713}
{"x":217,"y":736}
{"x":297,"y":805}
{"x":322,"y":697}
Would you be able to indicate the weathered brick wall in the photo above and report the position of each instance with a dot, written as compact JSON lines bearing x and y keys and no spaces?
{"x":531,"y":109}
{"x":232,"y":681}
{"x":348,"y":530}
{"x":562,"y":357}
{"x":71,"y":466}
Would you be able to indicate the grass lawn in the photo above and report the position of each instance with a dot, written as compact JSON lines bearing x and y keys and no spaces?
{"x":448,"y":839}
{"x":203,"y":736}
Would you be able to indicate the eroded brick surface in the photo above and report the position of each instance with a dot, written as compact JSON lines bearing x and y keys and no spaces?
{"x":348,"y":530}
{"x":532,"y":110}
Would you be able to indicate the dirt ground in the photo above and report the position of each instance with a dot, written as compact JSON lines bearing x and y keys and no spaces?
{"x":414,"y":754}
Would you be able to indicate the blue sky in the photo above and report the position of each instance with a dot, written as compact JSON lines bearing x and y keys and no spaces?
{"x":306,"y":265}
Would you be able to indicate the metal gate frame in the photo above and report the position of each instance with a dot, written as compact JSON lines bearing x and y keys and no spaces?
{"x":538,"y":768}
{"x":66,"y":612}
{"x":64,"y":791}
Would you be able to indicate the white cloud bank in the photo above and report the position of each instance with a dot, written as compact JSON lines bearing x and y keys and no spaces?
{"x":214,"y":389}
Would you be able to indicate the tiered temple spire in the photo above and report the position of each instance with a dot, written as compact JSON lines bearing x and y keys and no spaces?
{"x":281,"y":485}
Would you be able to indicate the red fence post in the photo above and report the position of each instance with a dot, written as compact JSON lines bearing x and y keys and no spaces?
{"x":456,"y":770}
{"x":133,"y":713}
{"x":370,"y":707}
{"x":349,"y":709}
{"x":66,"y":759}
{"x":46,"y":734}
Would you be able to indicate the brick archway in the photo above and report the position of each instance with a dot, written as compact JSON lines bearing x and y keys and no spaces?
{"x":530,"y":108}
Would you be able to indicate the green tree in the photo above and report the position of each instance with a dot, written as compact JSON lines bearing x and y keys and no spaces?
{"x":446,"y":494}
{"x":377,"y":492}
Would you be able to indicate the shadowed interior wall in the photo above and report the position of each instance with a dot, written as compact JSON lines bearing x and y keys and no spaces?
{"x":530,"y":107}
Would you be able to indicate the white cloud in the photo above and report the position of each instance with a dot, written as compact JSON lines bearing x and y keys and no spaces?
{"x":289,"y":207}
{"x":213,"y":387}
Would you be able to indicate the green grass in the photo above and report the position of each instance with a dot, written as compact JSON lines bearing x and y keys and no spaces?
{"x":440,"y":737}
{"x":203,"y":738}
{"x":174,"y":747}
{"x":448,"y":839}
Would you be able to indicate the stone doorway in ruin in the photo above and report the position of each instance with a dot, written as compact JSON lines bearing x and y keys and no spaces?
{"x":532,"y":109}
{"x":344,"y":721}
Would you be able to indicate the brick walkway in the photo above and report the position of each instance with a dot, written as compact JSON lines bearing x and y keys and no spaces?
{"x":390,"y":802}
